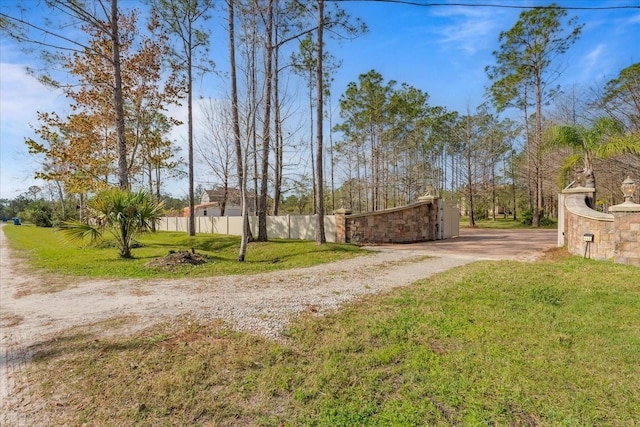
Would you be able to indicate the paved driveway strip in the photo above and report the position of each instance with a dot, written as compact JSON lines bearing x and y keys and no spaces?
{"x":262,"y":303}
{"x":485,"y":243}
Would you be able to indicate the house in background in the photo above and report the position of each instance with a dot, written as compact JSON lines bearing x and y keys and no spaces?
{"x":211,"y":203}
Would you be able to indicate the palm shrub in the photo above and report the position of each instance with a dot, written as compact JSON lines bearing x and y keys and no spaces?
{"x":39,"y":213}
{"x":124,"y":214}
{"x":603,"y":139}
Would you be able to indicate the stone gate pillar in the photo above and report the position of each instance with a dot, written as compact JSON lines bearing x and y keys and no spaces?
{"x":342,"y":231}
{"x":626,"y":225}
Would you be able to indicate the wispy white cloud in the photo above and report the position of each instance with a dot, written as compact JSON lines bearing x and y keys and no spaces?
{"x":593,"y":57}
{"x":21,"y":97}
{"x":634,"y":19}
{"x":469,"y":29}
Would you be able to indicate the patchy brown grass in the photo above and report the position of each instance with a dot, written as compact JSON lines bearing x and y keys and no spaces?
{"x":555,"y":254}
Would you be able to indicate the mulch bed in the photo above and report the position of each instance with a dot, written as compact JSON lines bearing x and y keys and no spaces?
{"x":176,"y":259}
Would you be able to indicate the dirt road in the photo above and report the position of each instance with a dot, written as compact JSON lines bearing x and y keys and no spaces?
{"x":257,"y":303}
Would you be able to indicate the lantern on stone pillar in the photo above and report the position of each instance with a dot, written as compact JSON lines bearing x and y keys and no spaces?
{"x":628,"y":189}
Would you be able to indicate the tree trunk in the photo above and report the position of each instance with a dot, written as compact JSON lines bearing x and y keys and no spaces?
{"x":320,"y":235}
{"x":192,"y":213}
{"x":537,"y":211}
{"x":123,"y":170}
{"x":493,"y":191}
{"x":63,"y":208}
{"x":278,"y":137}
{"x":472,"y":221}
{"x":513,"y":187}
{"x":82,"y":208}
{"x":311,"y":148}
{"x":253,"y":127}
{"x":589,"y":179}
{"x":266,"y":131}
{"x":236,"y":130}
{"x":331,"y":159}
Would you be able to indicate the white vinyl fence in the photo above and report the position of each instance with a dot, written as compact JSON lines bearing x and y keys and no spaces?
{"x":293,"y":227}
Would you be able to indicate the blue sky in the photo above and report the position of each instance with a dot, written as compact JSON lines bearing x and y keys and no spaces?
{"x":440,"y":50}
{"x":444,"y":50}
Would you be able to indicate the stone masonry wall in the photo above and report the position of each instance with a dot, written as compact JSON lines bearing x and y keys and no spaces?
{"x":413,"y":223}
{"x":627,"y":238}
{"x":616,"y":235}
{"x":580,"y":220}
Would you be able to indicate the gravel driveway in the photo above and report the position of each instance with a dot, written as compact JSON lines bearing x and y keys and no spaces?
{"x":262,"y":303}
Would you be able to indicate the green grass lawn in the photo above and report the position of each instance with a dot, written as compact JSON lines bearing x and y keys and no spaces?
{"x":48,"y":249}
{"x":550,"y":343}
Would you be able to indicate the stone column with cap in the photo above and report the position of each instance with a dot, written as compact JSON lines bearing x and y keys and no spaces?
{"x":342,"y":231}
{"x":627,"y":226}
